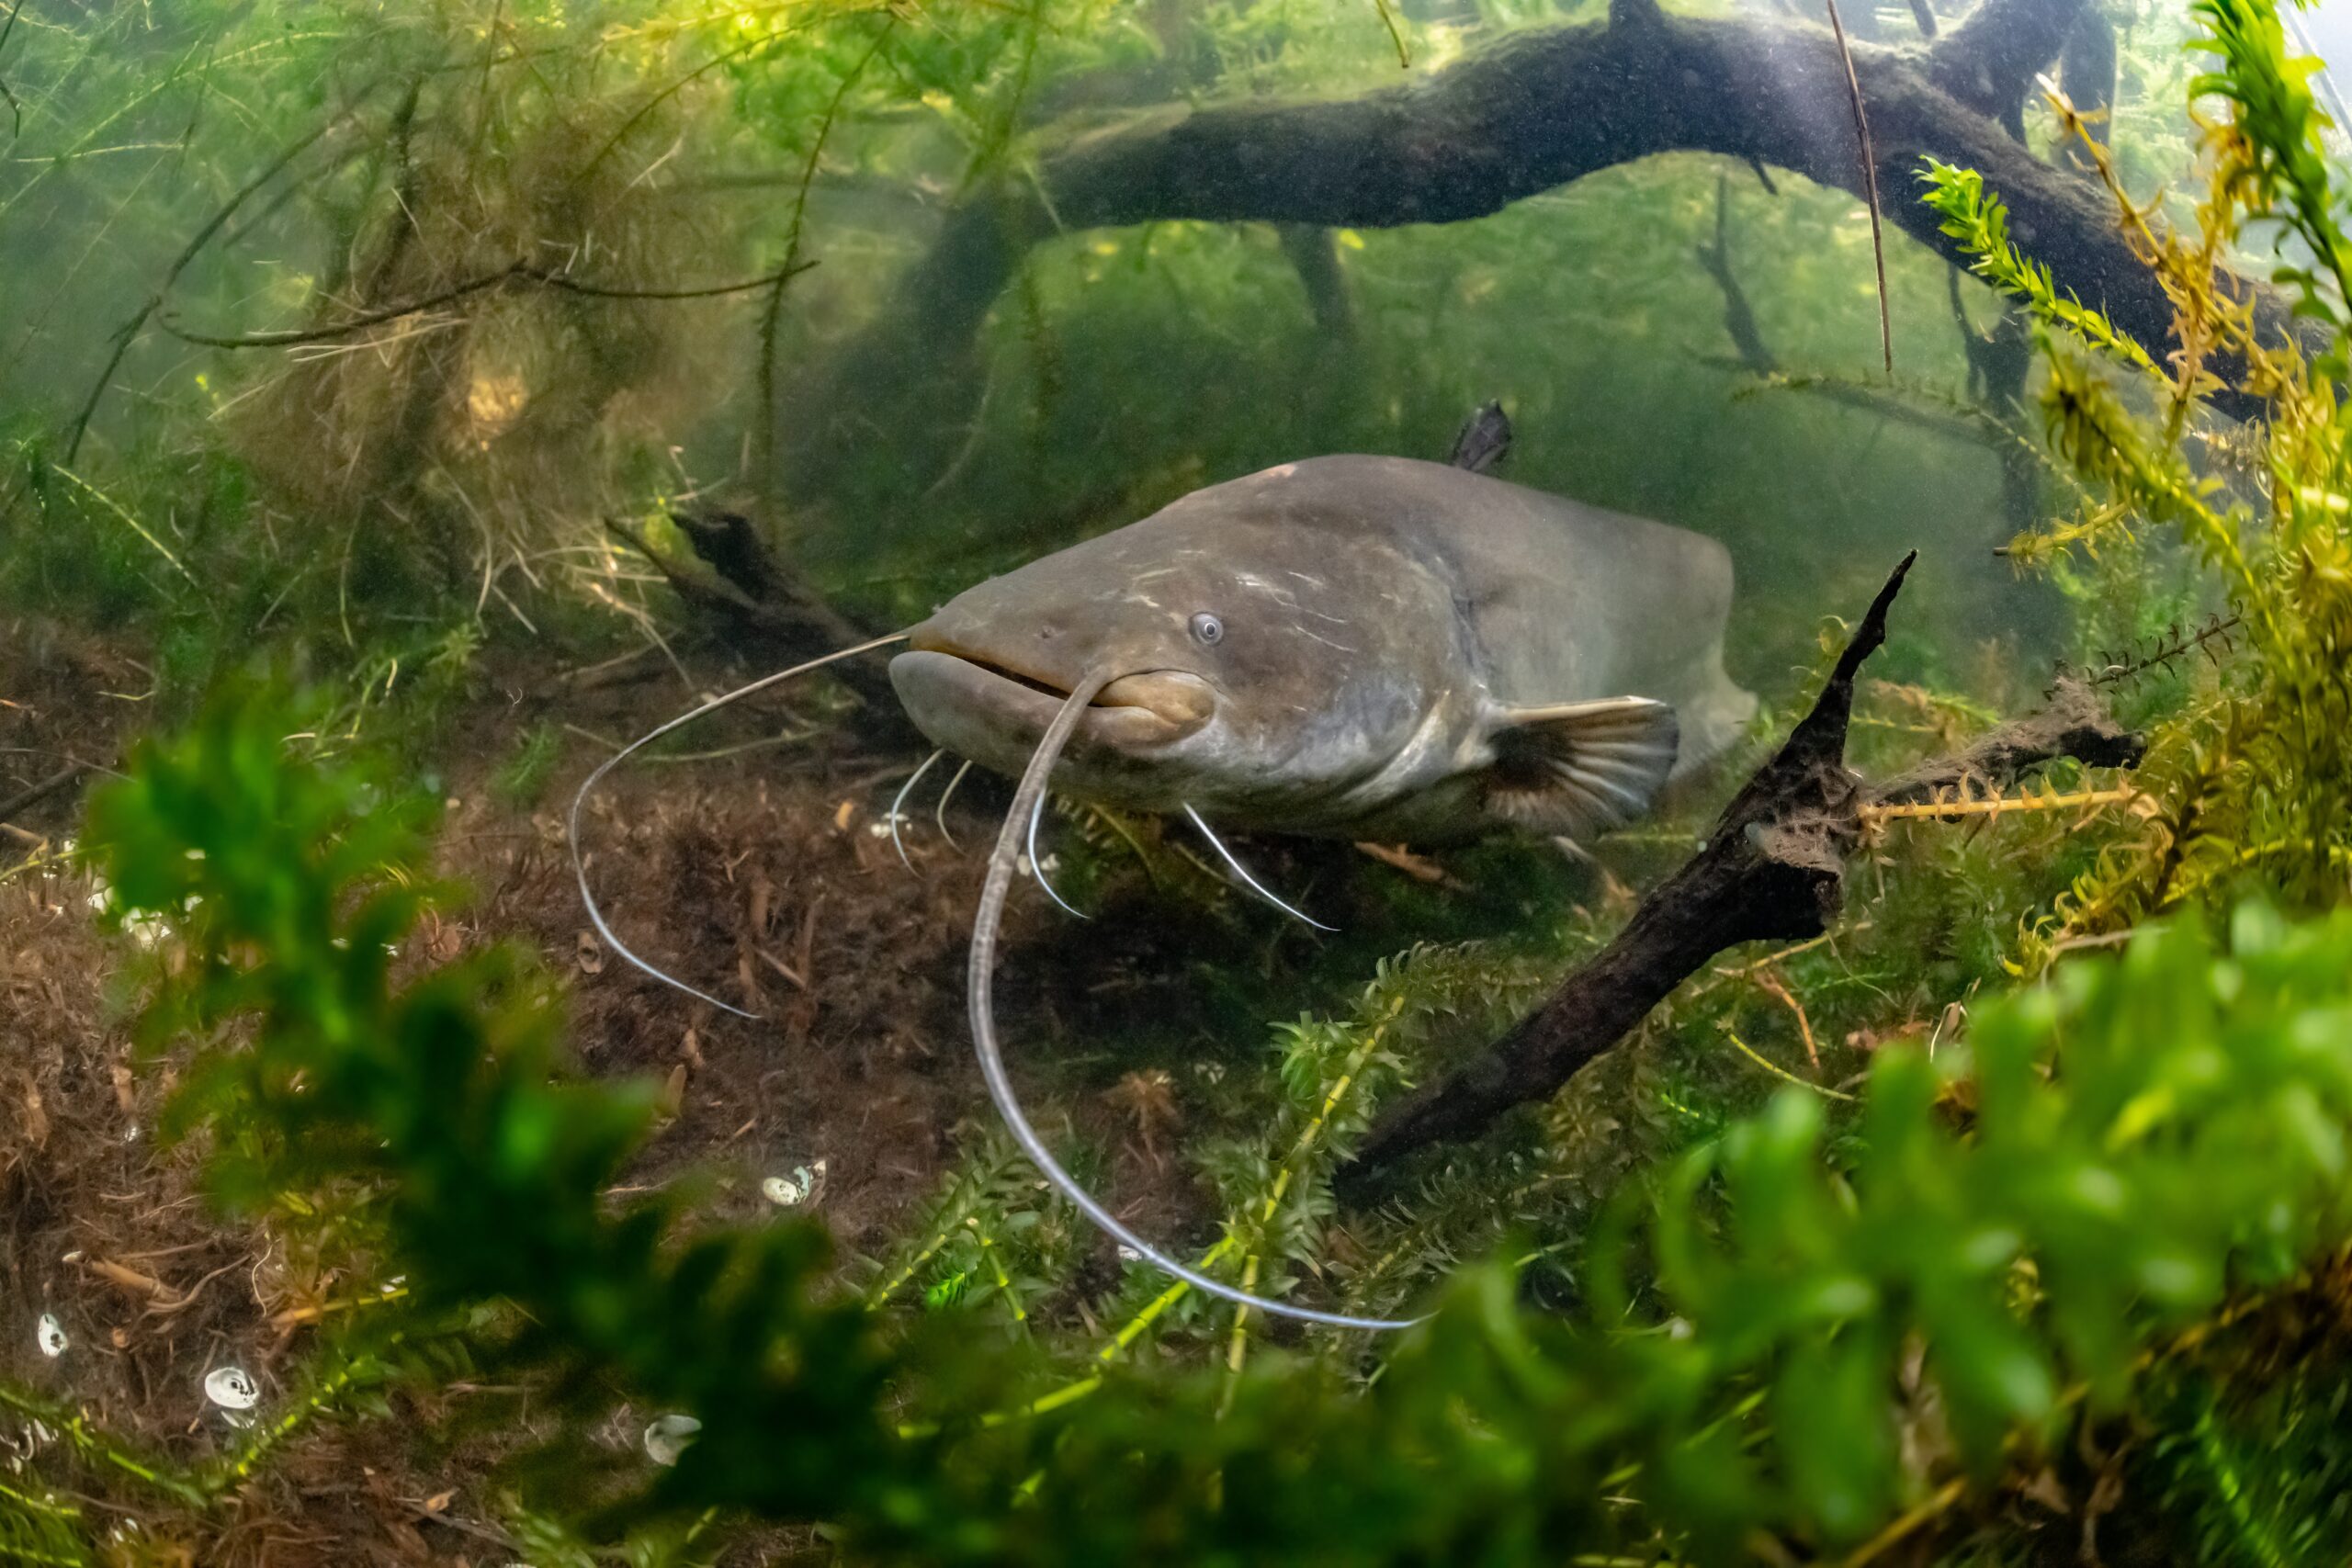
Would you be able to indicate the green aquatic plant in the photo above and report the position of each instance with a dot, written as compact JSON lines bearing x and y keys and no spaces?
{"x":2252,"y":774}
{"x":1848,"y":1251}
{"x":295,"y":884}
{"x":2020,"y":1230}
{"x":1981,"y":223}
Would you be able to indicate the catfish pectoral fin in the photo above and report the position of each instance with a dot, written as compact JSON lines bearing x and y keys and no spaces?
{"x":1579,"y":768}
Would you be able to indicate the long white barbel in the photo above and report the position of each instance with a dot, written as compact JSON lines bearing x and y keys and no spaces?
{"x":572,"y":826}
{"x":897,"y":816}
{"x":980,"y":977}
{"x":1037,"y":867}
{"x":944,"y":797}
{"x":1260,"y":888}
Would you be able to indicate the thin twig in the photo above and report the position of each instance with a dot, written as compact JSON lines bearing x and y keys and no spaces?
{"x":16,"y":109}
{"x":1777,"y":1071}
{"x":1893,"y":1535}
{"x":129,"y":332}
{"x":136,"y":526}
{"x":1396,"y":36}
{"x":38,"y":793}
{"x":1772,"y":987}
{"x":1870,"y":185}
{"x":1946,"y":809}
{"x":772,"y":314}
{"x":517,"y":271}
{"x":2174,"y":646}
{"x":637,"y":115}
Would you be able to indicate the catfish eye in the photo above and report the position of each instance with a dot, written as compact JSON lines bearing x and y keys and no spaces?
{"x":1208,"y":629}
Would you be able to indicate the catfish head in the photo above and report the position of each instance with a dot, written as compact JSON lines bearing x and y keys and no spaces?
{"x":1264,"y":669}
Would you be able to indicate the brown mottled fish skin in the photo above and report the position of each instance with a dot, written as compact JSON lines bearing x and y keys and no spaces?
{"x":1381,"y":618}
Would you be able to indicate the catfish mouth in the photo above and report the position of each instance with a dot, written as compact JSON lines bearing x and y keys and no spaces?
{"x":1043,"y":688}
{"x":948,"y":687}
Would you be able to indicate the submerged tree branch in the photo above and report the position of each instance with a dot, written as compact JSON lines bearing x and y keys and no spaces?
{"x":1772,"y":870}
{"x":519,"y":272}
{"x":1533,"y":111}
{"x":769,"y":613}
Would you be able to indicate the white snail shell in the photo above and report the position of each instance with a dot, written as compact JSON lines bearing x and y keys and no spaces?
{"x":231,"y":1387}
{"x":667,"y":1437}
{"x":801,"y":1187}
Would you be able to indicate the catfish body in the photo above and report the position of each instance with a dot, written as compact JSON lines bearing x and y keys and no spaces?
{"x":1350,"y":647}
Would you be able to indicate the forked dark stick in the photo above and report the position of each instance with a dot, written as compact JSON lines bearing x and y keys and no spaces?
{"x":1772,"y":870}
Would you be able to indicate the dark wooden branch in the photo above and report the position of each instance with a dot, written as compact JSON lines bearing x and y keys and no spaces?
{"x":1772,"y":870}
{"x":1314,"y":254}
{"x":1534,"y":111}
{"x":768,"y":613}
{"x":2086,"y":71}
{"x":1739,"y":317}
{"x":33,"y":794}
{"x":2072,"y":723}
{"x":514,"y":272}
{"x":1989,"y":61}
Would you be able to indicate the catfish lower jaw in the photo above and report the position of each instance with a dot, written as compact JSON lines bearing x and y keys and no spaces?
{"x":995,"y":717}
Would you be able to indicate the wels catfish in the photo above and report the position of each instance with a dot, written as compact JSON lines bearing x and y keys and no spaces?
{"x":1367,"y":648}
{"x":1350,"y":647}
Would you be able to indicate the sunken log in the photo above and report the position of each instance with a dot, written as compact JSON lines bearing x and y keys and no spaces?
{"x":1772,"y":869}
{"x":1530,"y":112}
{"x":767,"y":614}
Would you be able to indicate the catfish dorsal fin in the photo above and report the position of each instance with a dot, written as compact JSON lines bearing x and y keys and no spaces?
{"x":1579,"y":768}
{"x":1485,"y":440}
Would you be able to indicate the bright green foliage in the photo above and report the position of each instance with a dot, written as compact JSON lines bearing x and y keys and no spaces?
{"x":2278,"y":164}
{"x":1981,"y":224}
{"x":987,"y":1246}
{"x":2254,"y":773}
{"x":2257,"y":1477}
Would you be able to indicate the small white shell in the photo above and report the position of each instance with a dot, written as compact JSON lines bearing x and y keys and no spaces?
{"x":231,"y":1387}
{"x":51,"y":1336}
{"x":803,"y":1186}
{"x":668,"y":1438}
{"x":1128,"y":1254}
